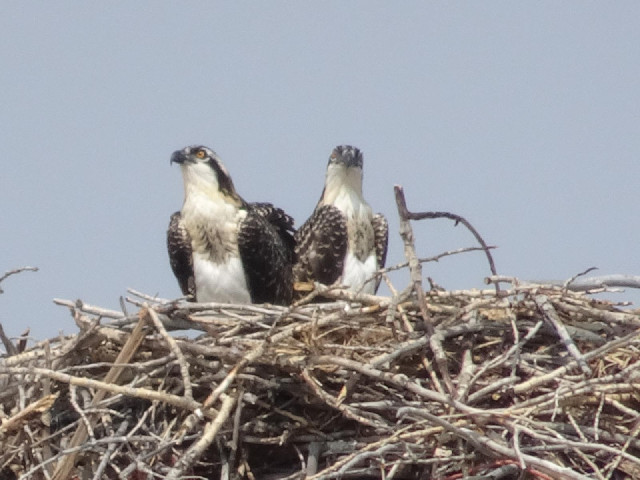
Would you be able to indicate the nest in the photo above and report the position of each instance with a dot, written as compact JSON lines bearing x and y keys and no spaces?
{"x":530,"y":382}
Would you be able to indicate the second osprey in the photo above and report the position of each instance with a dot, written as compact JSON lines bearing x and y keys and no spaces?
{"x":342,"y":240}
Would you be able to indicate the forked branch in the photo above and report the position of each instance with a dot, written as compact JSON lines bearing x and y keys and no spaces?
{"x":406,"y":215}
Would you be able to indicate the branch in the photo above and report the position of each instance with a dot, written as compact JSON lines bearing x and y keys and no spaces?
{"x":603,"y":281}
{"x":406,"y":214}
{"x":15,"y":271}
{"x":415,"y":268}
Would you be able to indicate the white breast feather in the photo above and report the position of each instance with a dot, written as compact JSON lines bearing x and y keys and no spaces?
{"x":220,"y":282}
{"x":219,"y":277}
{"x":356,"y":273}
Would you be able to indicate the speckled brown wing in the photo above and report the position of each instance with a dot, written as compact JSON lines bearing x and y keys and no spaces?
{"x":281,"y":221}
{"x":381,"y":239}
{"x":321,"y":245}
{"x":180,"y":255}
{"x":265,"y":244}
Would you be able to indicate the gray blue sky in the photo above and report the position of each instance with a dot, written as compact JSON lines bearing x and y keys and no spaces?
{"x":524,"y":117}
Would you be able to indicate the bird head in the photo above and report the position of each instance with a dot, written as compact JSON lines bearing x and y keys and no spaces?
{"x":346,"y":156}
{"x":202,"y":169}
{"x":344,"y":173}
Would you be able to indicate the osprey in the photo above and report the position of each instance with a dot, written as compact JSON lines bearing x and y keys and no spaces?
{"x":221,"y":248}
{"x":342,"y":240}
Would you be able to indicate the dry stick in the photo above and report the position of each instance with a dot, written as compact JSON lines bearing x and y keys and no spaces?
{"x":632,"y":435}
{"x":110,"y":449}
{"x":191,"y":421}
{"x":144,"y":393}
{"x":63,"y":469}
{"x":29,"y":474}
{"x":235,"y":436}
{"x":581,"y":274}
{"x":15,"y":271}
{"x":492,"y":447}
{"x":32,"y":410}
{"x":548,"y":377}
{"x":436,"y":258}
{"x":208,"y":435}
{"x":73,"y":400}
{"x":464,"y":377}
{"x":173,"y":345}
{"x":397,"y":379}
{"x":415,"y":271}
{"x":415,"y":268}
{"x":571,"y":394}
{"x":546,"y":308}
{"x":345,"y":409}
{"x":8,"y":344}
{"x":497,"y":361}
{"x":435,"y":343}
{"x":339,"y":293}
{"x":92,"y":309}
{"x":149,"y":298}
{"x":314,"y":450}
{"x":565,"y":442}
{"x":617,"y":280}
{"x":338,"y":465}
{"x":403,"y":349}
{"x":457,"y":218}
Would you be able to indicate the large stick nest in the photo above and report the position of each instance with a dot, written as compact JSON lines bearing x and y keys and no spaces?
{"x":532,"y":382}
{"x":536,"y":381}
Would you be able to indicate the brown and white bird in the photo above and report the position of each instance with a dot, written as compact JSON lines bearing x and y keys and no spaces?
{"x":222,"y":248}
{"x":342,"y":240}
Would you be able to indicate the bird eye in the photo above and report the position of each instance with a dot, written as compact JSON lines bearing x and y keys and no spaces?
{"x":201,"y":154}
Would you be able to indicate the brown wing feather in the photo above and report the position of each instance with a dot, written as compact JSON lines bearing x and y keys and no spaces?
{"x":321,"y":245}
{"x":381,"y":239}
{"x":281,"y":221}
{"x":180,"y":255}
{"x":266,"y":256}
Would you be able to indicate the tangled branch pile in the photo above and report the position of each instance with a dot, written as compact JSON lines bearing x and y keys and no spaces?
{"x":532,"y":382}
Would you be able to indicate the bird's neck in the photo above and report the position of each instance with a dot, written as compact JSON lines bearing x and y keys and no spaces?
{"x":345,"y":193}
{"x":203,"y":187}
{"x":343,"y":185}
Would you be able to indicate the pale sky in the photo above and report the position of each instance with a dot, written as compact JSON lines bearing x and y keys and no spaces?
{"x":523,"y":117}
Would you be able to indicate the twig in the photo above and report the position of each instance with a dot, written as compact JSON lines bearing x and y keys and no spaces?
{"x":110,"y":450}
{"x":590,"y":283}
{"x":63,"y":469}
{"x":415,"y":268}
{"x":543,"y":303}
{"x":173,"y":345}
{"x":457,"y":219}
{"x":8,"y":344}
{"x":581,"y":274}
{"x":436,"y":258}
{"x":208,"y":435}
{"x":16,"y":271}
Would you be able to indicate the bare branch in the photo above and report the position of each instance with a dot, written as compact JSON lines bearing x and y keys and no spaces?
{"x":457,"y":219}
{"x":16,"y":271}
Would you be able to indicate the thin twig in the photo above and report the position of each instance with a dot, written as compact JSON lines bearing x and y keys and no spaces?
{"x":208,"y":435}
{"x":16,"y":271}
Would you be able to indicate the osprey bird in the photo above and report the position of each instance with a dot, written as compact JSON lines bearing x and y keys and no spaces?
{"x":221,"y":248}
{"x":342,"y":240}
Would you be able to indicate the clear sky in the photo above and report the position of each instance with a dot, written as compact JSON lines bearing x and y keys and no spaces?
{"x":523,"y":117}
